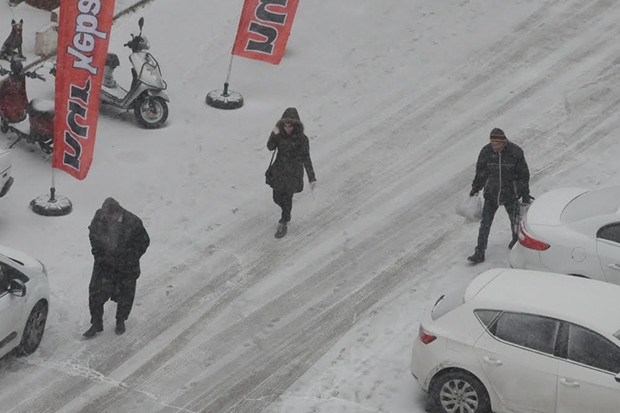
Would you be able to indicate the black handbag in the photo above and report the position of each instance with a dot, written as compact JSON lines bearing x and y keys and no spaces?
{"x":269,"y":172}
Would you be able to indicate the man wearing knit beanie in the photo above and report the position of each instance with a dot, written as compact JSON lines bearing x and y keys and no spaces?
{"x":502,"y":173}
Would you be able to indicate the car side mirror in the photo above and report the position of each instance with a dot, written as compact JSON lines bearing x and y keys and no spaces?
{"x":17,"y":287}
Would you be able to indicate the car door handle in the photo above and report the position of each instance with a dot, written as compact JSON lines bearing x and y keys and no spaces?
{"x":614,"y":266}
{"x":569,"y":383}
{"x":492,"y":361}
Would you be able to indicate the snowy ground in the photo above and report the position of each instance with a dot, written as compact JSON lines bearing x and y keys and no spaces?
{"x":397,"y":97}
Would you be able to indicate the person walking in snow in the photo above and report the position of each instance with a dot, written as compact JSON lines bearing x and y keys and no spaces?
{"x":293,"y":155}
{"x":118,"y":240}
{"x":501,"y":170}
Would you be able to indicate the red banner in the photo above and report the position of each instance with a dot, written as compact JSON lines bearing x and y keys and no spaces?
{"x":264,"y":28}
{"x":83,"y":35}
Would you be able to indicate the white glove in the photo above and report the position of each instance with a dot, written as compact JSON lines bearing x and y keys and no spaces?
{"x":276,"y":130}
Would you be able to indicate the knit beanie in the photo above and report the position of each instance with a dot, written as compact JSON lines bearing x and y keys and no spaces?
{"x":498,"y":135}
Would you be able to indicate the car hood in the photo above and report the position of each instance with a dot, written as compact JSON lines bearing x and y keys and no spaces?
{"x":21,"y":258}
{"x":547,"y":209}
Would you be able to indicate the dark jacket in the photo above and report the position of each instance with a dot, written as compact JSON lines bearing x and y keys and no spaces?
{"x":293,"y":155}
{"x":504,"y":175}
{"x":122,"y":254}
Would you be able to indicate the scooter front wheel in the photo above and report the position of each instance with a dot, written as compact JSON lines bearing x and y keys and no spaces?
{"x":151,"y":112}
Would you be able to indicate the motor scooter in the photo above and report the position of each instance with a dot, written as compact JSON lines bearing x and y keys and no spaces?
{"x":14,"y":107}
{"x":146,"y":95}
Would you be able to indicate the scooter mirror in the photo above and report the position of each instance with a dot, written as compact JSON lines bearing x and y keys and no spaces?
{"x":141,"y":23}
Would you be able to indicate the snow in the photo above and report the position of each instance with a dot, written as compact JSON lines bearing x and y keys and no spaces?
{"x":397,"y":98}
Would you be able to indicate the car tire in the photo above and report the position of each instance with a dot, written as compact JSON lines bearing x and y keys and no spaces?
{"x":458,"y":391}
{"x":33,"y":331}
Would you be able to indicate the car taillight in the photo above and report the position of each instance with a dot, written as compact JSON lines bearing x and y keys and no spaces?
{"x":425,"y":336}
{"x":528,"y":241}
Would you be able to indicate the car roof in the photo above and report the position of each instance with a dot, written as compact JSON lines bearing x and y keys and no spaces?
{"x":590,"y":303}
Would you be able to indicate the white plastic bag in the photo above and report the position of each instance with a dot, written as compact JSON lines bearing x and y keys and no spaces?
{"x":470,"y":207}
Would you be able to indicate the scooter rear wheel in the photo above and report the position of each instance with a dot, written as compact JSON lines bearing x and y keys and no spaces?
{"x":151,"y":112}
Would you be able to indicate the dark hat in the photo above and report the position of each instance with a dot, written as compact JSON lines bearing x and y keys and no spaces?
{"x":498,"y":135}
{"x":110,"y":205}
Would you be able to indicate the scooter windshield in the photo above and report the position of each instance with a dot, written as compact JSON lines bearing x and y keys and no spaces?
{"x":149,"y":72}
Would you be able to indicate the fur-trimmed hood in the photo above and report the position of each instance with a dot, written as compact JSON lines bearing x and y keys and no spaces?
{"x":291,"y":115}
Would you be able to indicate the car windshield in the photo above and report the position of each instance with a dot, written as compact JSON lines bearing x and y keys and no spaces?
{"x":600,"y":202}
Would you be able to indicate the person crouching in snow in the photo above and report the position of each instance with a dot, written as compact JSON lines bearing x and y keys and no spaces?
{"x":293,"y":155}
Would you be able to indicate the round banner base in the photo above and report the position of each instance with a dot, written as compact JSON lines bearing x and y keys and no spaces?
{"x":224,"y":99}
{"x":51,"y":206}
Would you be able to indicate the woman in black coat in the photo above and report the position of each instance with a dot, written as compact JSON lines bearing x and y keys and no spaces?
{"x":293,"y":155}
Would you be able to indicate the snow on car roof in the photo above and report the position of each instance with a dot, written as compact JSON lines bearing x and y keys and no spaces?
{"x":590,"y":303}
{"x":604,"y":201}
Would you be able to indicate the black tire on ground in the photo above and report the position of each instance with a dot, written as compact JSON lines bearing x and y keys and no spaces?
{"x":457,"y":391}
{"x":151,"y":112}
{"x":220,"y":100}
{"x":33,"y":331}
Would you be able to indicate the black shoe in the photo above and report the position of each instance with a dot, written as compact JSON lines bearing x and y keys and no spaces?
{"x":512,"y":243}
{"x":94,"y":329}
{"x":281,"y":231}
{"x":120,"y":327}
{"x":477,"y":258}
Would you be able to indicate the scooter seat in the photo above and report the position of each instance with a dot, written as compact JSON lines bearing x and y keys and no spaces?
{"x":41,"y":108}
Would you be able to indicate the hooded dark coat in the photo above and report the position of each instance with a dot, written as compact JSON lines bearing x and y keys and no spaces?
{"x":122,"y":254}
{"x":293,"y":155}
{"x":504,"y":175}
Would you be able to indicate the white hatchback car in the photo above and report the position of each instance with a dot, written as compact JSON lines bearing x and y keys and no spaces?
{"x":572,"y":231}
{"x":522,"y":341}
{"x":24,"y":302}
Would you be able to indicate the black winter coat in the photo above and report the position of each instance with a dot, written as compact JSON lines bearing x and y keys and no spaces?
{"x":133,"y":240}
{"x":292,"y":157}
{"x":504,"y":175}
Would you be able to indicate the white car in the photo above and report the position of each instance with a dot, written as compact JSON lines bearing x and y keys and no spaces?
{"x":572,"y":231}
{"x":522,"y":341}
{"x":24,"y":302}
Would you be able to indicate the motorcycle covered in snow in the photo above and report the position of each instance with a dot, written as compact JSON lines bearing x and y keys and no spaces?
{"x":15,"y":107}
{"x":145,"y":96}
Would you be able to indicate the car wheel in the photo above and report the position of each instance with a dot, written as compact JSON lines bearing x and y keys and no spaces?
{"x":459,"y":392}
{"x":33,"y":332}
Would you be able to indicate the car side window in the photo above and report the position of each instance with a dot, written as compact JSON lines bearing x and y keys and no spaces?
{"x":528,"y":330}
{"x":4,"y":280}
{"x":487,"y":317}
{"x":590,"y":348}
{"x":610,"y":232}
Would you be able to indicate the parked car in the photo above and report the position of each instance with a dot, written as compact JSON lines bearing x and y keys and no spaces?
{"x":24,"y":302}
{"x":522,"y":341}
{"x":572,"y":231}
{"x":6,"y":180}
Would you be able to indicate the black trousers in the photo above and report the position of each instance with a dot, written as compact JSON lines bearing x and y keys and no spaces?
{"x":285,"y":201}
{"x":488,"y":213}
{"x":105,"y":285}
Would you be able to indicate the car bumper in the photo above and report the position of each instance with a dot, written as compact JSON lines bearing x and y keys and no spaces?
{"x":526,"y":259}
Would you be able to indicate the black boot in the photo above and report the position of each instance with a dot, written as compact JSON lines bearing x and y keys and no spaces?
{"x":94,"y":329}
{"x":281,"y":231}
{"x":477,"y":258}
{"x":120,"y":326}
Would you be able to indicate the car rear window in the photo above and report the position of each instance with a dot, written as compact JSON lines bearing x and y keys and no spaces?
{"x":598,"y":202}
